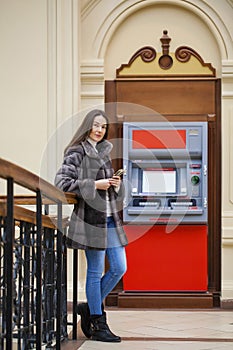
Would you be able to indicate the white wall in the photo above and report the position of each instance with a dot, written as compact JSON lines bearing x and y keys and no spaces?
{"x":23,"y":81}
{"x":39,"y":83}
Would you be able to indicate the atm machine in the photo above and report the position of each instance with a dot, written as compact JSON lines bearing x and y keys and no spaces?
{"x":165,"y":209}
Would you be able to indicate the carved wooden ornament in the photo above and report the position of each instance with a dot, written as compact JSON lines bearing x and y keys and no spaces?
{"x":146,"y":63}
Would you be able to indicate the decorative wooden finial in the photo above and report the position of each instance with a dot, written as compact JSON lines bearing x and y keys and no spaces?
{"x":165,"y":60}
{"x":165,"y":40}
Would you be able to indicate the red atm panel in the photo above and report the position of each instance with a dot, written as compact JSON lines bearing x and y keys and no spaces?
{"x":159,"y":139}
{"x":160,"y":261}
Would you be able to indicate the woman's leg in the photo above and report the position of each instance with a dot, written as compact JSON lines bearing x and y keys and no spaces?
{"x":116,"y":258}
{"x":95,"y":268}
{"x":99,"y":329}
{"x":98,"y":286}
{"x":117,"y":267}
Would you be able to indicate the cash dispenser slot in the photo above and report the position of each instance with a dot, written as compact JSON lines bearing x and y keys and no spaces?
{"x":146,"y":205}
{"x":181,"y":203}
{"x":145,"y":202}
{"x":184,"y":205}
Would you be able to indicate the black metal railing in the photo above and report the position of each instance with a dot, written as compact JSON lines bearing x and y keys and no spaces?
{"x":33,"y":264}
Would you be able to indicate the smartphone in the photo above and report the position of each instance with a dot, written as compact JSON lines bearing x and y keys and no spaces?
{"x":119,"y":172}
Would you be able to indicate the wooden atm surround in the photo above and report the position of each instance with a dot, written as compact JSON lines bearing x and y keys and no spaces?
{"x":175,"y":94}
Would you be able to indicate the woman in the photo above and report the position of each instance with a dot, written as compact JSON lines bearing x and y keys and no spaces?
{"x":95,"y":225}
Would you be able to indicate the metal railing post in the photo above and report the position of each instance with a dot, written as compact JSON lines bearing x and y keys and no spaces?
{"x":75,"y":292}
{"x":9,"y":260}
{"x":38,"y":271}
{"x":59,"y":274}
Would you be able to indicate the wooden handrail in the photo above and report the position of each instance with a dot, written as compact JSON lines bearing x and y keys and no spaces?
{"x":23,"y":214}
{"x":28,"y":199}
{"x":33,"y":182}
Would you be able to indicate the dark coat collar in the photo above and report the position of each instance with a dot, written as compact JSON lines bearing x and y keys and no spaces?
{"x":104,"y":148}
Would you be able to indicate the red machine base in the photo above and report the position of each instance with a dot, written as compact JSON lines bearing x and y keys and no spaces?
{"x":160,"y":261}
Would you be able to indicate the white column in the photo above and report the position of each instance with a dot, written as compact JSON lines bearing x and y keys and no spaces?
{"x":92,"y":83}
{"x":63,"y":77}
{"x":63,"y":35}
{"x":227,"y":179}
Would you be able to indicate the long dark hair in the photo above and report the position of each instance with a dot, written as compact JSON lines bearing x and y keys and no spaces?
{"x":85,"y":128}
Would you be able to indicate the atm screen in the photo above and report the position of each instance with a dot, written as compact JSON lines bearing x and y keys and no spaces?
{"x":159,"y":181}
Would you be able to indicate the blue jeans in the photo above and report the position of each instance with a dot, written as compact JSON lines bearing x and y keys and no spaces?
{"x":98,"y":286}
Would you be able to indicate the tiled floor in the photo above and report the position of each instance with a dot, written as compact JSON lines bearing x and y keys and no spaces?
{"x":168,"y":330}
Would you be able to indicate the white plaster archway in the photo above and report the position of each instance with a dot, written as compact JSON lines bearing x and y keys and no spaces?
{"x":101,"y":20}
{"x":200,"y":8}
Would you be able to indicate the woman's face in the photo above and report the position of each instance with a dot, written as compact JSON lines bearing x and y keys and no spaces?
{"x":98,"y":128}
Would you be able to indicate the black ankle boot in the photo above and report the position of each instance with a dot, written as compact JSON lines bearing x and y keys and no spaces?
{"x":84,"y":312}
{"x":100,"y":330}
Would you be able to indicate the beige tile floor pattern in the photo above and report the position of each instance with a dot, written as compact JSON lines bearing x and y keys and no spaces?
{"x":168,"y":330}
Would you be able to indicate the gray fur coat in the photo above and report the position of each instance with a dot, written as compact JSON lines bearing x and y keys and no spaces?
{"x":82,"y":165}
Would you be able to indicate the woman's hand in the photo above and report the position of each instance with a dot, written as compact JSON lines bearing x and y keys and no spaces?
{"x":102,"y":184}
{"x":115,"y":181}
